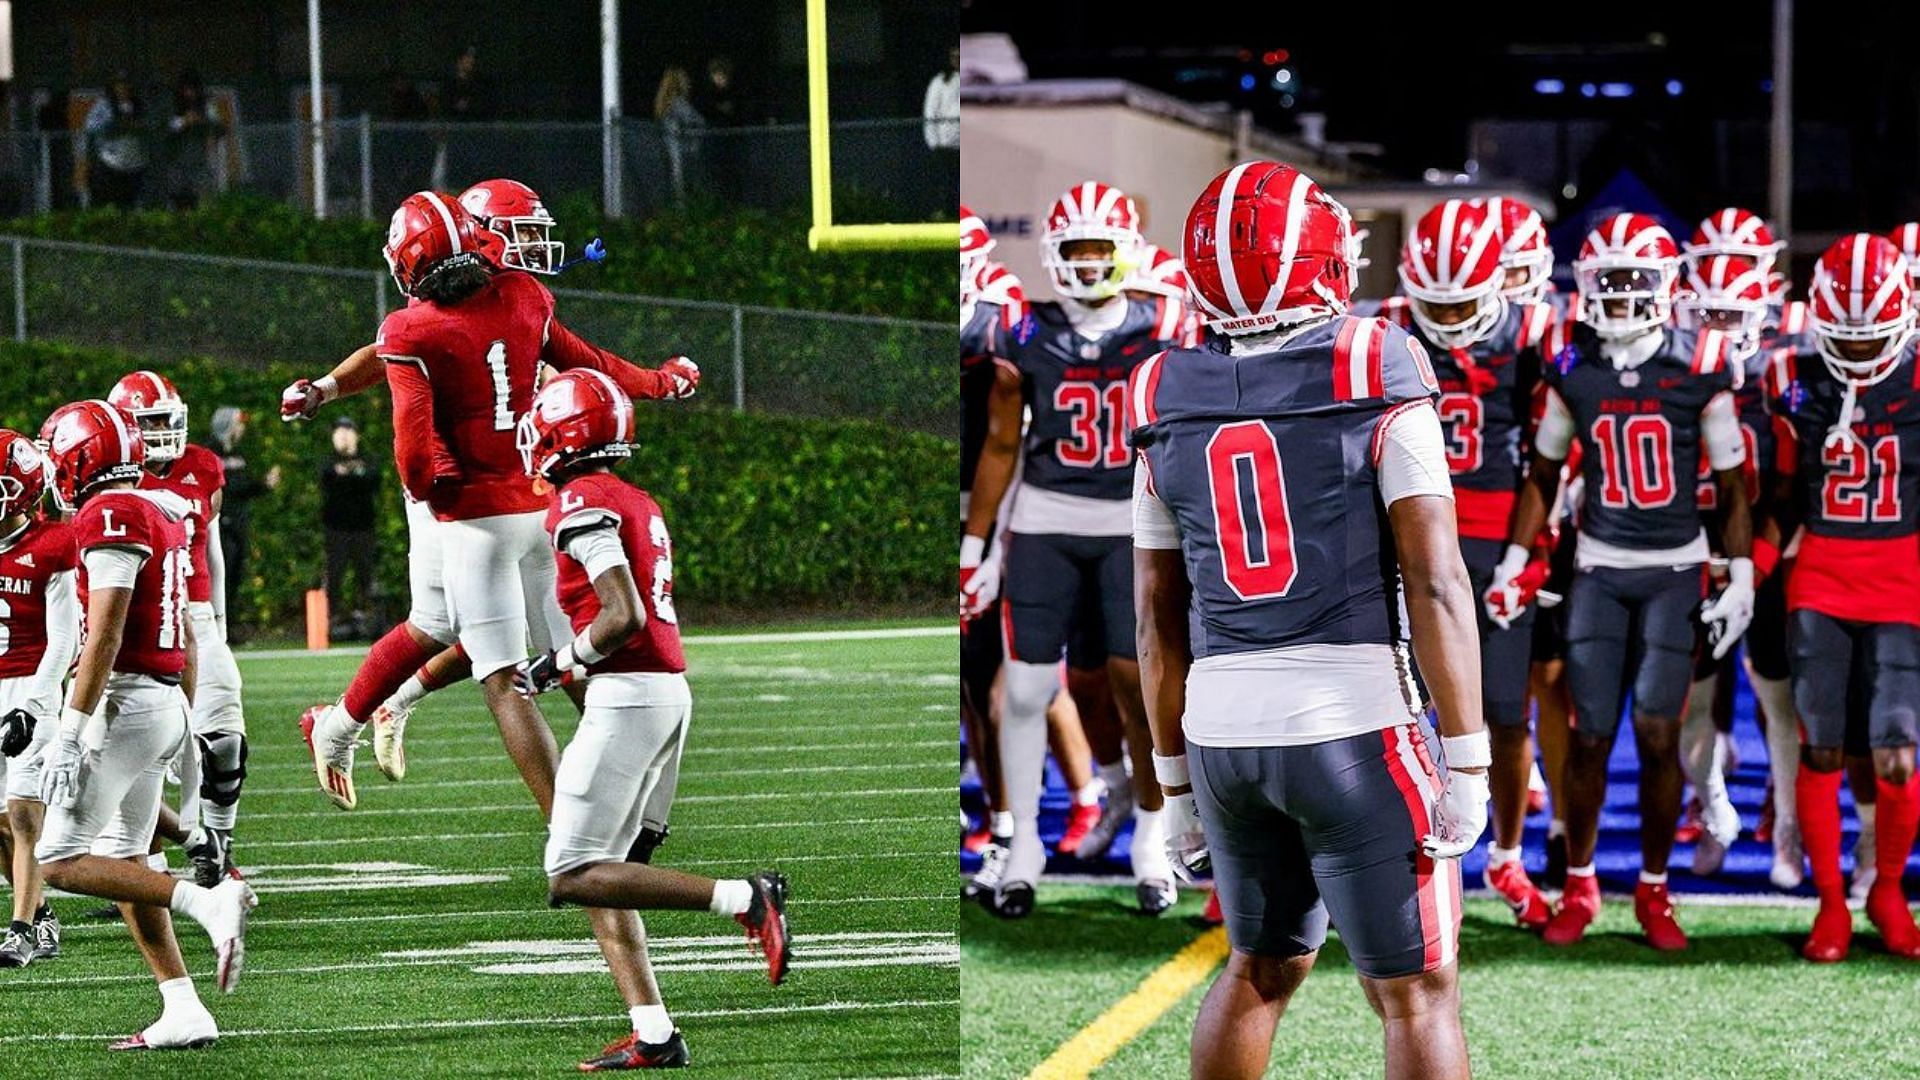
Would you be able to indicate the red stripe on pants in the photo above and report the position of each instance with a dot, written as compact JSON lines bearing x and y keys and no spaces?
{"x":1430,"y":929}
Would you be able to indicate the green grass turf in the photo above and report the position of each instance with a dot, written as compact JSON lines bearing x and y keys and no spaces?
{"x":1740,"y":1003}
{"x":830,"y":760}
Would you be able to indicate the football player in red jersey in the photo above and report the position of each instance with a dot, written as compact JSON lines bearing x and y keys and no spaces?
{"x":212,"y":776}
{"x":41,"y":615}
{"x":1854,"y":629}
{"x":615,"y":584}
{"x":126,"y":714}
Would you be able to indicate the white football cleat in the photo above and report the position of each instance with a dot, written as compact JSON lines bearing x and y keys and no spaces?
{"x":1720,"y":827}
{"x":234,"y":902}
{"x":1117,"y":811}
{"x":330,"y":739}
{"x":182,"y":1028}
{"x":1789,"y":867}
{"x":389,"y":746}
{"x":1865,"y":870}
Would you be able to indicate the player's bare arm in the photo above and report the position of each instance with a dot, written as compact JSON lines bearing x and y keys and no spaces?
{"x":356,"y":374}
{"x":621,"y":616}
{"x":106,"y":624}
{"x":1161,"y":594}
{"x":675,"y":379}
{"x":995,"y":472}
{"x":190,"y":674}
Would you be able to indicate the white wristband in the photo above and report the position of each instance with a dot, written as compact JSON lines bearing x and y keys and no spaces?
{"x":72,"y":722}
{"x":327,"y":387}
{"x":972,"y":550}
{"x":1740,"y":571}
{"x":1171,"y":771}
{"x":1513,"y":560}
{"x":583,"y":650}
{"x":1473,"y":751}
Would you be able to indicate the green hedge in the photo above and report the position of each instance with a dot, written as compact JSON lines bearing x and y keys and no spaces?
{"x":698,"y":252}
{"x":768,"y":514}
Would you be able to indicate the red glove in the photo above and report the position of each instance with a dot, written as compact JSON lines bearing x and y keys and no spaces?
{"x":685,"y":375}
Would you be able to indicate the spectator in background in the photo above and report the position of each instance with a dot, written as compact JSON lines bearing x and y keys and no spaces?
{"x":940,"y":113}
{"x":60,"y":190}
{"x":717,"y":99}
{"x":680,"y":126}
{"x":348,"y":484}
{"x":469,"y":97}
{"x":192,"y":135}
{"x":228,"y":428}
{"x":118,"y":146}
{"x":403,"y":159}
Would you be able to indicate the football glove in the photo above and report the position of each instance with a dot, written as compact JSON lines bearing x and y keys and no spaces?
{"x":60,"y":769}
{"x":979,"y":578}
{"x":1186,"y":842}
{"x":539,"y":674}
{"x":16,"y":732}
{"x":1516,"y":581}
{"x":1728,"y":614}
{"x":685,"y":375}
{"x":1460,"y":815}
{"x":301,"y":399}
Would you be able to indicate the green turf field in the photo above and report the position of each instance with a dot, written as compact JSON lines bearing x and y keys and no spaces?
{"x":1739,"y":1004}
{"x":411,"y":937}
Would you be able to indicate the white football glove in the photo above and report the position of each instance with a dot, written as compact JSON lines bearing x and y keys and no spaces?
{"x":60,"y":768}
{"x":302,"y":398}
{"x":1186,"y":842}
{"x":1506,"y":595}
{"x":1728,"y":614}
{"x":1460,"y":815}
{"x":979,"y":578}
{"x":685,"y":374}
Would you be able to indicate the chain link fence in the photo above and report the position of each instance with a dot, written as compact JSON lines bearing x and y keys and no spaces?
{"x":165,"y":305}
{"x":373,"y":164}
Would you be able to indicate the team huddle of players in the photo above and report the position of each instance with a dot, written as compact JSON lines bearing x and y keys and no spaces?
{"x":533,"y":567}
{"x":1672,"y":460}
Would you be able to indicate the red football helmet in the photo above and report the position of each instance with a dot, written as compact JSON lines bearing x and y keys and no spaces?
{"x":1907,"y":239}
{"x":1725,"y":293}
{"x":157,"y":408}
{"x":1734,"y":231}
{"x":1159,"y":271}
{"x":514,"y":211}
{"x":1266,"y":248}
{"x":1452,"y":259}
{"x":23,"y":473}
{"x":1629,"y":262}
{"x":1861,"y":308}
{"x":975,"y":243}
{"x":1524,"y":249}
{"x":1097,"y":212}
{"x":90,"y":443}
{"x":579,"y":415}
{"x":430,"y":232}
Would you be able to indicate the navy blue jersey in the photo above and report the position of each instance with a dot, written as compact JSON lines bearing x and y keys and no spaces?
{"x":1859,"y":488}
{"x":1784,"y":330}
{"x":984,"y":335}
{"x":1076,"y":388}
{"x":1267,"y":463}
{"x":1641,"y":432}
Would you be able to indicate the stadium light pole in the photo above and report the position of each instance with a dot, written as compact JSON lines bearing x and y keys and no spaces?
{"x":1780,"y":159}
{"x":610,"y":106}
{"x":317,"y":117}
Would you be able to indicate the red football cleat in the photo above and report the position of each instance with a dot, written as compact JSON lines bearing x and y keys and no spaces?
{"x":1763,"y":832}
{"x":766,"y":922}
{"x":1511,"y":882}
{"x":1654,"y":910}
{"x":1689,"y":829}
{"x":977,"y":841}
{"x":1579,"y":906}
{"x":631,"y":1053}
{"x":1832,"y":933}
{"x":1213,"y":916}
{"x":1887,"y":910}
{"x":1536,"y":800}
{"x":1079,"y":820}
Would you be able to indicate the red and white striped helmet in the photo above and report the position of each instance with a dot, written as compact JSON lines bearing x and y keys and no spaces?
{"x":1907,"y":239}
{"x":1861,"y":293}
{"x":975,"y":243}
{"x":1726,"y":293}
{"x":156,"y":406}
{"x":1631,"y":260}
{"x":579,"y":415}
{"x":89,"y":443}
{"x":430,"y":232}
{"x":1733,"y":231}
{"x":514,"y":211}
{"x":1452,"y":257}
{"x":1091,"y":211}
{"x":24,"y":472}
{"x":1523,"y":249}
{"x":1265,"y":248}
{"x":1159,"y":271}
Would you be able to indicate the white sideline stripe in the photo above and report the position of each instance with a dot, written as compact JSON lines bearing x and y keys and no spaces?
{"x":417,"y":762}
{"x":586,"y":946}
{"x":501,"y":913}
{"x":679,"y":800}
{"x":515,"y":781}
{"x":689,"y":639}
{"x":518,"y":1021}
{"x":692,"y":830}
{"x":1682,"y":899}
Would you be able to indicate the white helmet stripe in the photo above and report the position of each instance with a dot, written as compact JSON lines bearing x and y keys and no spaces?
{"x":1857,"y":277}
{"x":119,"y":427}
{"x":1290,"y":244}
{"x":1449,"y":211}
{"x":1105,"y":206}
{"x":446,"y":218}
{"x":1222,"y":241}
{"x":1481,"y":238}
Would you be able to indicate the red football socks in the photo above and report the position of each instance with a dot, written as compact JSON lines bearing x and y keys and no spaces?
{"x":392,"y":660}
{"x":1894,"y":826}
{"x":1817,"y":795}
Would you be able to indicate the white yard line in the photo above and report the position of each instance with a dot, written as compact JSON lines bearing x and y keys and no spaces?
{"x":514,"y":1021}
{"x":691,"y":830}
{"x":417,"y":762}
{"x":770,"y":638}
{"x":691,"y":778}
{"x":756,"y":796}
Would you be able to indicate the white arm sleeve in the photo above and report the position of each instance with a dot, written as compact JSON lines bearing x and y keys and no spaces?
{"x":113,"y":567}
{"x":596,"y":547}
{"x":1720,"y":430}
{"x":1554,"y":437}
{"x":1153,"y":525}
{"x":1413,"y":456}
{"x":217,"y":570}
{"x":63,"y":641}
